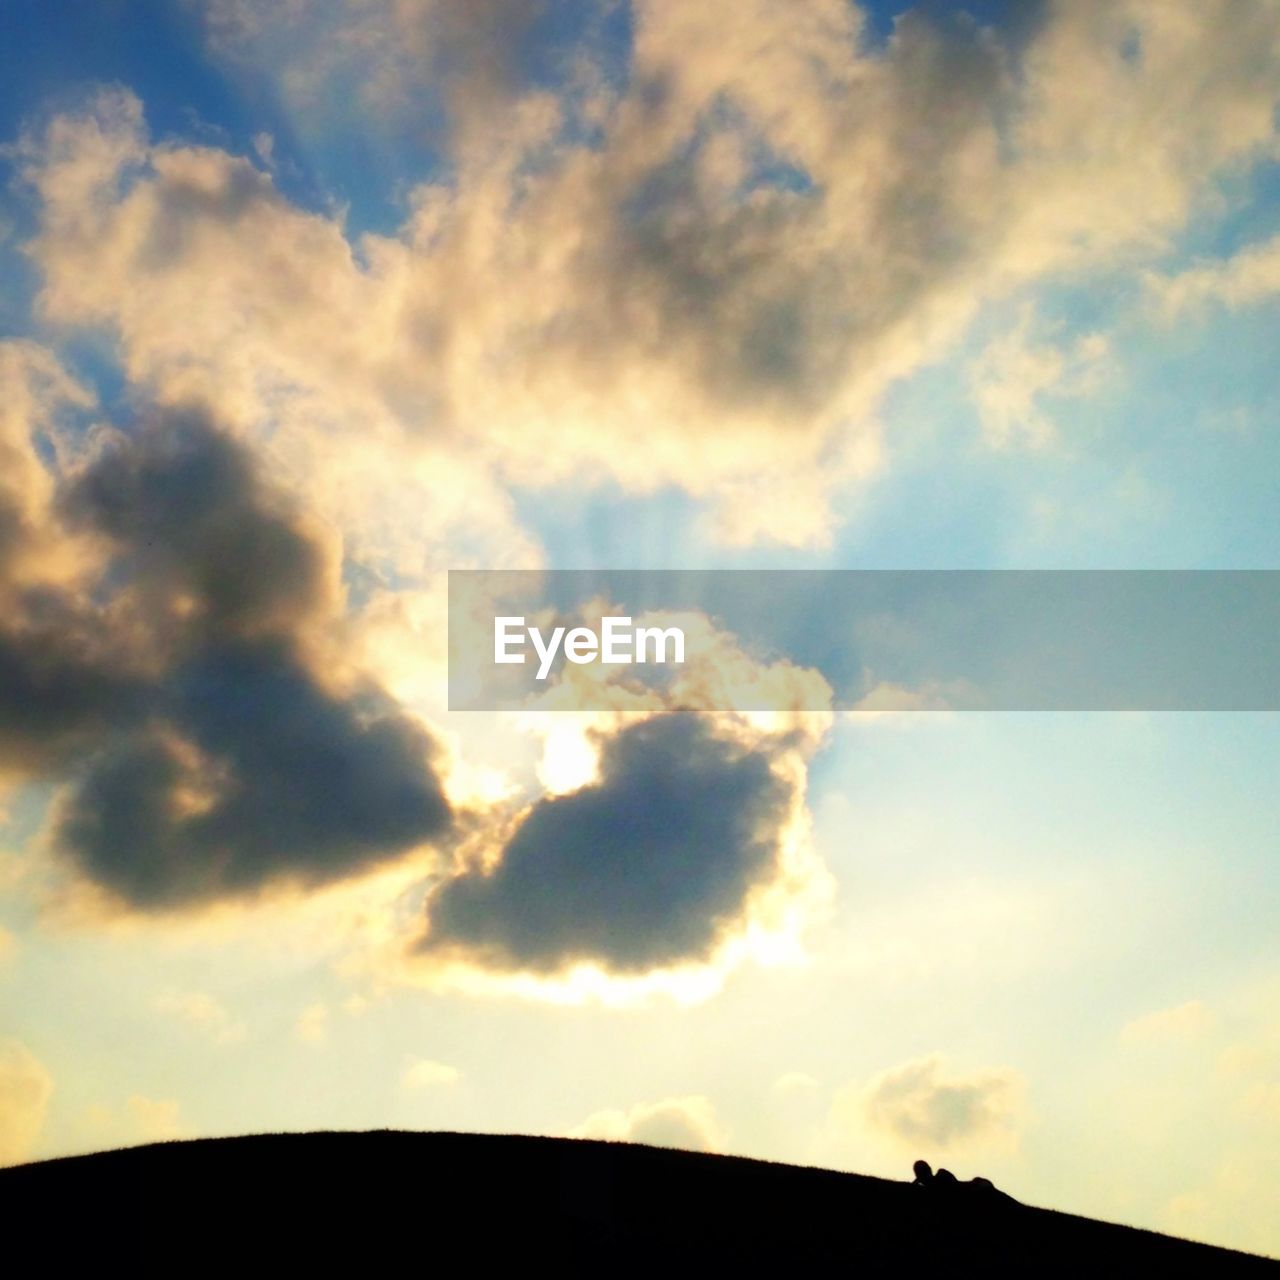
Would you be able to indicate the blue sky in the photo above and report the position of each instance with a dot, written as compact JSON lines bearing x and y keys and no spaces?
{"x":302,"y":306}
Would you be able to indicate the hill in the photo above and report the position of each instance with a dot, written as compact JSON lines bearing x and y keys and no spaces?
{"x":476,"y":1202}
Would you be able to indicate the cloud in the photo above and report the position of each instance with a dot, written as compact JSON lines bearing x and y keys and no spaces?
{"x":1252,"y":1066}
{"x":617,"y":882}
{"x":687,"y":1124}
{"x":1187,"y":1021}
{"x":163,"y":653}
{"x":141,"y":1119}
{"x":392,"y":56}
{"x":287,"y":340}
{"x":204,"y":1013}
{"x":920,"y":1106}
{"x":253,"y":752}
{"x":885,"y":698}
{"x":312,"y":1026}
{"x":250,"y":768}
{"x":1246,"y":278}
{"x":794,"y":1082}
{"x":259,"y":775}
{"x":36,"y":387}
{"x":1014,"y":375}
{"x":198,"y":531}
{"x":1237,"y":1203}
{"x":1260,"y":1055}
{"x":25,"y":1088}
{"x":155,"y":1120}
{"x":65,"y":673}
{"x":650,"y":865}
{"x":724,"y":252}
{"x":697,"y":258}
{"x":423,"y":1073}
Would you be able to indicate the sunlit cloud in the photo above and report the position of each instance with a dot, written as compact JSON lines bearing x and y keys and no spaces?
{"x":401,"y":286}
{"x":714,"y":865}
{"x":25,"y":1089}
{"x":772,"y":229}
{"x":184,"y":655}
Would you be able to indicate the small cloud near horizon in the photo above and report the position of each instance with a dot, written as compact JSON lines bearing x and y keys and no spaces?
{"x":25,"y":1089}
{"x":922,"y":1105}
{"x":684,"y":1123}
{"x":424,"y":1073}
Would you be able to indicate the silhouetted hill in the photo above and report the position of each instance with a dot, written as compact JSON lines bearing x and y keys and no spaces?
{"x":475,"y":1202}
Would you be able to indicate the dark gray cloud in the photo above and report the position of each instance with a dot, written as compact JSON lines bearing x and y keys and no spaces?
{"x":64,"y":680}
{"x":192,"y":521}
{"x":644,"y":868}
{"x":285,"y":782}
{"x":206,"y":757}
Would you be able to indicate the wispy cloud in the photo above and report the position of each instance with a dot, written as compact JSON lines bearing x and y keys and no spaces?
{"x":1017,"y":374}
{"x":425,"y":1073}
{"x":1246,"y":278}
{"x":1188,"y":1021}
{"x":202,"y":1012}
{"x":312,"y":1026}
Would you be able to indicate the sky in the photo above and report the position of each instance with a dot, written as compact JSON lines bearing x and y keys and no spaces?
{"x":304,"y":304}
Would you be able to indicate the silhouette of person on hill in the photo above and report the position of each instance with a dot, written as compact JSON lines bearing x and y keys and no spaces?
{"x":946,"y":1182}
{"x":925,"y":1176}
